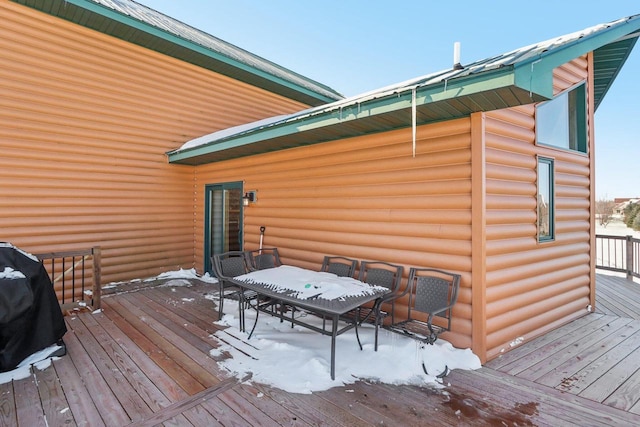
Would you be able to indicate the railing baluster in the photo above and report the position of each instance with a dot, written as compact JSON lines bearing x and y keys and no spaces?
{"x":60,"y":281}
{"x":622,"y":254}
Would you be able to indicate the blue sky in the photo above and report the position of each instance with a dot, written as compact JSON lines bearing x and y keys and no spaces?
{"x":355,"y":46}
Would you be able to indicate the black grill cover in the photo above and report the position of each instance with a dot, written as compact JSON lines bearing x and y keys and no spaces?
{"x":30,"y":316}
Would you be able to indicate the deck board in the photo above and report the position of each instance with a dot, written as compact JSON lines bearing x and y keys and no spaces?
{"x":110,"y":409}
{"x":78,"y":397}
{"x":54,"y":402}
{"x":25,"y":392}
{"x":8,"y":415}
{"x":144,"y":360}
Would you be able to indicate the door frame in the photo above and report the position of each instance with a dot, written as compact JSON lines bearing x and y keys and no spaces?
{"x":208,"y":193}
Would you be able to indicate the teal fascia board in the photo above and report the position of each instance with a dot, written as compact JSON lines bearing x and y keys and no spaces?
{"x":425,"y":95}
{"x":134,"y":23}
{"x":536,"y":74}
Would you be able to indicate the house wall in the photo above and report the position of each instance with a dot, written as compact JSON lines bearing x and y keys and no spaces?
{"x":465,"y":203}
{"x":86,"y":120}
{"x":532,"y":287}
{"x":364,"y":197}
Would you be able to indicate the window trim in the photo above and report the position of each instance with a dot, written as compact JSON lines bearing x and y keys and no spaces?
{"x":577,"y":123}
{"x":551,"y":203}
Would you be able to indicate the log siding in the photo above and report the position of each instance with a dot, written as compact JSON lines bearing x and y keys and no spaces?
{"x":86,"y":120}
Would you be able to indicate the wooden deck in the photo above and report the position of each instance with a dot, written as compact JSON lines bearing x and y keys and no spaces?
{"x":144,"y":360}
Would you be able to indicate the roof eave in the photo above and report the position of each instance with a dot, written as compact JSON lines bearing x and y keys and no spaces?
{"x":189,"y":51}
{"x":454,"y":98}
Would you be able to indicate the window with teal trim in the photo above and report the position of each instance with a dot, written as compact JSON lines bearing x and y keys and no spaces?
{"x":546,"y":211}
{"x":562,"y":121}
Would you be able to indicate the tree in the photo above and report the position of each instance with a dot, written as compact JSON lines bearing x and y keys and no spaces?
{"x":604,"y":211}
{"x":630,"y":213}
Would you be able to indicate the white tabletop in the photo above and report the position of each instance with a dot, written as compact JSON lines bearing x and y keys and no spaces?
{"x":308,"y":284}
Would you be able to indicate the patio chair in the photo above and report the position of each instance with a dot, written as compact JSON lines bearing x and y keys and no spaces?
{"x":226,"y":266}
{"x":383,"y":274}
{"x":432,"y":294}
{"x":264,"y":258}
{"x":377,"y":273}
{"x":340,"y":266}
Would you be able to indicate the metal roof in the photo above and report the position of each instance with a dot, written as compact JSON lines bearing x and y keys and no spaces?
{"x":515,"y":78}
{"x":138,"y":24}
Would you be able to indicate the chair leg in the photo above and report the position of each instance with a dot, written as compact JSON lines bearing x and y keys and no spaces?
{"x":355,"y":323}
{"x":220,"y":302}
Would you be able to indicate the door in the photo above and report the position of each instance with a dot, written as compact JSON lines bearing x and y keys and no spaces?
{"x":223,"y":220}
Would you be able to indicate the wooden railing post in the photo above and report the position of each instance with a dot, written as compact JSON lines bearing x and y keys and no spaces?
{"x":97,"y":289}
{"x":629,"y":261}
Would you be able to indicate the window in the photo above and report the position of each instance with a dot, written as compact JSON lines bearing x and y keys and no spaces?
{"x":545,"y":200}
{"x":562,"y":121}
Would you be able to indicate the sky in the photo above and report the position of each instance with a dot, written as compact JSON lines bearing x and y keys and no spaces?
{"x":356,"y":46}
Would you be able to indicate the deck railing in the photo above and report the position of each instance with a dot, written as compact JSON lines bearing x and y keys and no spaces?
{"x":75,"y":276}
{"x":618,"y":253}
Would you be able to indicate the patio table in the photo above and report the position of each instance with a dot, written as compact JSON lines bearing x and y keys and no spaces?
{"x":320,"y":293}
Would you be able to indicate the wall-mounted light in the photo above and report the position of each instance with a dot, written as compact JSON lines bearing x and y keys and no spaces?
{"x":249,"y":197}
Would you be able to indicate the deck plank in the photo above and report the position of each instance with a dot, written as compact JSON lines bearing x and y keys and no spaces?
{"x":627,"y":395}
{"x":355,"y":399}
{"x":26,"y":391}
{"x":571,"y":350}
{"x":255,"y":394}
{"x":54,"y":402}
{"x":622,"y":362}
{"x":144,"y":387}
{"x":529,"y":354}
{"x":574,"y":410}
{"x":116,"y":378}
{"x":538,"y":350}
{"x":110,"y":409}
{"x":194,"y":313}
{"x":172,"y":349}
{"x":8,"y":414}
{"x":564,"y":374}
{"x":170,"y":319}
{"x":149,"y":347}
{"x":196,"y":355}
{"x":80,"y":402}
{"x":162,"y":380}
{"x":156,"y":338}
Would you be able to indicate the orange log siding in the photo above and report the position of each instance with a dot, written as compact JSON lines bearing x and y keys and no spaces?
{"x":86,"y":120}
{"x":365,"y":197}
{"x":532,"y":287}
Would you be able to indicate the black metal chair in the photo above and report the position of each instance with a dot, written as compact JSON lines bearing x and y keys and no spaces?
{"x":340,"y":266}
{"x":432,"y":295}
{"x":264,"y":258}
{"x":383,"y":274}
{"x":226,"y":266}
{"x":376,"y":273}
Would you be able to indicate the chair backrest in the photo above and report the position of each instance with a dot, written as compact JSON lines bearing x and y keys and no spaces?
{"x":381,"y":274}
{"x":265,"y":258}
{"x":433,"y":292}
{"x":230,"y":264}
{"x":340,"y":266}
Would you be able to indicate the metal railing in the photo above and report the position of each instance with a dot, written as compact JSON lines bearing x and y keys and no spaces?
{"x":75,"y":276}
{"x":618,"y":253}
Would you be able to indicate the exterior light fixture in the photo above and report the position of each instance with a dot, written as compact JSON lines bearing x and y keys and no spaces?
{"x":249,"y":197}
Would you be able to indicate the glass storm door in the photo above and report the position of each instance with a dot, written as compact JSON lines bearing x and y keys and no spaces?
{"x":223,"y":220}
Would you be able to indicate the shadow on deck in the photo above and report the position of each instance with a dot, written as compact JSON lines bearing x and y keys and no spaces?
{"x":144,"y":360}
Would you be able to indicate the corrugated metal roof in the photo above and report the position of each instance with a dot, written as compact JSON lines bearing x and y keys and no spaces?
{"x":146,"y":27}
{"x":515,"y":78}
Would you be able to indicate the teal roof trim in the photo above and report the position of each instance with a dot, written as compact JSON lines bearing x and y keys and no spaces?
{"x":387,"y":111}
{"x":516,"y":78}
{"x":138,"y":24}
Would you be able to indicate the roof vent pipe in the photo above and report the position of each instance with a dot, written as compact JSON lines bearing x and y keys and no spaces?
{"x":456,"y":56}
